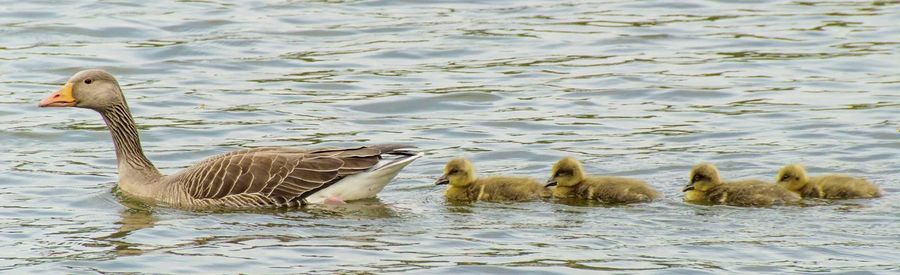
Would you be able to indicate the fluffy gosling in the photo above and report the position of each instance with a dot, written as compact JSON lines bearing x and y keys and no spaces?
{"x":832,"y":186}
{"x":465,"y":186}
{"x":705,"y":186}
{"x":571,"y":182}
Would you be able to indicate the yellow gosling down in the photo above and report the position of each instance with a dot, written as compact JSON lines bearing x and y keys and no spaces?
{"x":465,"y":186}
{"x":571,"y":182}
{"x":832,"y":186}
{"x":705,"y":186}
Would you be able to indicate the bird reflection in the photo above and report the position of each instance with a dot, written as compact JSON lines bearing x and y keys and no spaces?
{"x":368,"y":208}
{"x":131,"y":220}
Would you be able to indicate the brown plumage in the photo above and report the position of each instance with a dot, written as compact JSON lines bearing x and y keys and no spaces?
{"x":571,"y":182}
{"x":832,"y":186}
{"x":465,"y":186}
{"x":705,"y":186}
{"x":249,"y":178}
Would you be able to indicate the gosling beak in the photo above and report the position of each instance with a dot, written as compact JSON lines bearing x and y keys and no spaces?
{"x":689,"y":187}
{"x":550,"y":182}
{"x":441,"y":181}
{"x":61,"y":98}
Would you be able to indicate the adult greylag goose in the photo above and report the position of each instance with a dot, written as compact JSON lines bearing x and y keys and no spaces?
{"x":248,"y":178}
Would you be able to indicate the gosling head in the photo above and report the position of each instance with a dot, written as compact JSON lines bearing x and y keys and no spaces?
{"x":792,"y":177}
{"x":93,"y":89}
{"x":566,"y":172}
{"x":703,"y":177}
{"x":459,"y":172}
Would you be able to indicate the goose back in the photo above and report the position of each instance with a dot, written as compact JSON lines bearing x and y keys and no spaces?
{"x":750,"y":193}
{"x":267,"y":177}
{"x":835,"y":186}
{"x":615,"y":190}
{"x":502,"y":188}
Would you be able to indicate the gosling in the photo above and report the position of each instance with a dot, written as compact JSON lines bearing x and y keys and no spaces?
{"x":465,"y":186}
{"x":705,"y":186}
{"x":832,"y":186}
{"x":571,"y":182}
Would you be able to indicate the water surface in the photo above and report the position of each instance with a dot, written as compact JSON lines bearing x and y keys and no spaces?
{"x":634,"y":88}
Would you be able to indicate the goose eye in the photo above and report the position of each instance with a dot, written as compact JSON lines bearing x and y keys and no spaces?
{"x":88,"y":81}
{"x":785,"y":177}
{"x":454,"y":171}
{"x":696,"y":177}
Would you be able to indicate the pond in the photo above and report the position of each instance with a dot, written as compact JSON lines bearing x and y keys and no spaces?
{"x":644,"y":89}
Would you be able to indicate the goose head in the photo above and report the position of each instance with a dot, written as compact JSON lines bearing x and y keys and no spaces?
{"x":792,"y":177}
{"x":566,"y":172}
{"x":703,"y":177}
{"x":92,"y":89}
{"x":459,"y":172}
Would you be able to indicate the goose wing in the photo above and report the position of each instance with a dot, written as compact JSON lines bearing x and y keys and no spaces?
{"x":267,"y":177}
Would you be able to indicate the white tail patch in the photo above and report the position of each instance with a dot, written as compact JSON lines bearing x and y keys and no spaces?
{"x":366,"y":184}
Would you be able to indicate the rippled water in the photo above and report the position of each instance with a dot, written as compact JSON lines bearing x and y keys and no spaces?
{"x":636,"y":88}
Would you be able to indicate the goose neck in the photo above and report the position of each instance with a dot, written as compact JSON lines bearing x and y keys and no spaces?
{"x":129,"y":154}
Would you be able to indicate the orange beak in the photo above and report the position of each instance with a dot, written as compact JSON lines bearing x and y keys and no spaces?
{"x":61,"y":98}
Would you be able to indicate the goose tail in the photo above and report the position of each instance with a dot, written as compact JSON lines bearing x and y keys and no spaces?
{"x":367,"y":184}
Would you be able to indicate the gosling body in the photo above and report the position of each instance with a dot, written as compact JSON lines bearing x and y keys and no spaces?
{"x":832,"y":186}
{"x":464,"y":185}
{"x":571,"y":182}
{"x":497,"y":188}
{"x":706,"y":186}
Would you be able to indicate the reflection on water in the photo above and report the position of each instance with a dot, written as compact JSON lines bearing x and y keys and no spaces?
{"x":132,"y":220}
{"x":640,"y":89}
{"x":361,"y":209}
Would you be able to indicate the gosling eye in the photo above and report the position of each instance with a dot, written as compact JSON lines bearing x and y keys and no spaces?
{"x":696,"y":178}
{"x":562,"y":173}
{"x":453,"y":171}
{"x":88,"y":81}
{"x":785,"y":177}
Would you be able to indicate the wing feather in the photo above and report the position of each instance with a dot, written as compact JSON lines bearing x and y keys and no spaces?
{"x":272,"y":177}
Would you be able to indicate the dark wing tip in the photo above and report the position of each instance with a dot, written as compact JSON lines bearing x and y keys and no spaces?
{"x":396,"y":149}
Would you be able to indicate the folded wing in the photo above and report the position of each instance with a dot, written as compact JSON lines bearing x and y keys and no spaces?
{"x":272,"y":177}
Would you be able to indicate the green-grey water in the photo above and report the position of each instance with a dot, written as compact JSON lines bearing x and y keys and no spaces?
{"x":634,"y":88}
